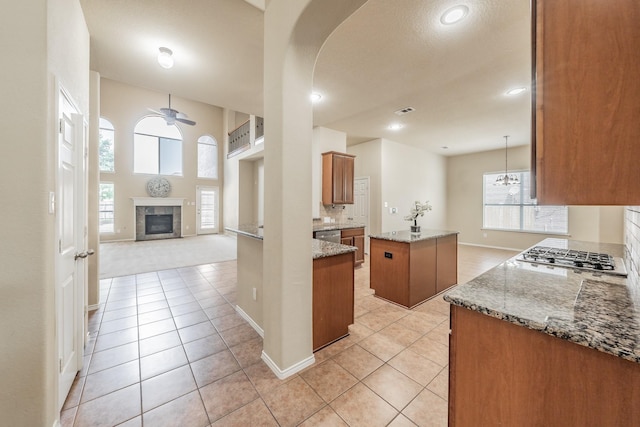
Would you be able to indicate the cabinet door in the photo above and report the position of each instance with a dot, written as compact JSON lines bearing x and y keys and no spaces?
{"x":347,"y":193}
{"x":347,"y":241}
{"x":338,"y":178}
{"x":358,"y":241}
{"x":586,"y":96}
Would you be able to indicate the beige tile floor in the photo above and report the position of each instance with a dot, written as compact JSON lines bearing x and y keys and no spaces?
{"x":168,"y":349}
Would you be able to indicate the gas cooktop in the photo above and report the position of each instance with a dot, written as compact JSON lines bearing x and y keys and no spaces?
{"x":569,"y":258}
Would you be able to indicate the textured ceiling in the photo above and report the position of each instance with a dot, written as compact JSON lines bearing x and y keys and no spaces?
{"x":387,"y":56}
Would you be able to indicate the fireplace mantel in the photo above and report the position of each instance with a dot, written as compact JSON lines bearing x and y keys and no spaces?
{"x":157,"y":201}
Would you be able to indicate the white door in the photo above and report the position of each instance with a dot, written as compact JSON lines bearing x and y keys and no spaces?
{"x":71,"y":220}
{"x":360,"y":209}
{"x":207,"y":210}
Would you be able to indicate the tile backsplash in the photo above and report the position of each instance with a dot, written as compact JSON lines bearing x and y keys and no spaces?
{"x":337,"y":213}
{"x":632,"y":235}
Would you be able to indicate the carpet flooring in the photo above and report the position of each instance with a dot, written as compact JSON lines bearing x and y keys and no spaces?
{"x":126,"y":258}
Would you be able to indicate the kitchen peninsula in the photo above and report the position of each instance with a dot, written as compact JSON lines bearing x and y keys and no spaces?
{"x":333,"y":284}
{"x":409,"y":268}
{"x":546,"y":345}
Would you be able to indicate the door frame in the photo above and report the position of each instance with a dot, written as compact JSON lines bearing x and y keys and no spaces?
{"x":368,"y":222}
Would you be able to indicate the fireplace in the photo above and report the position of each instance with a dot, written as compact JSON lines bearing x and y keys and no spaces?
{"x":158,"y":224}
{"x":158,"y":218}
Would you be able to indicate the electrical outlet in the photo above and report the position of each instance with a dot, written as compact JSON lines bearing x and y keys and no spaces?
{"x":393,"y":210}
{"x":255,"y":294}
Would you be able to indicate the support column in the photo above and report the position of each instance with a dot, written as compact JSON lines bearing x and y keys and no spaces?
{"x":294,"y":33}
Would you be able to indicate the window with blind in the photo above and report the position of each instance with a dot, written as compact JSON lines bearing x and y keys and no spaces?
{"x":509,"y":207}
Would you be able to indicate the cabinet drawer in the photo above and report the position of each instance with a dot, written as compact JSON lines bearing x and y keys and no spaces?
{"x":350,"y":232}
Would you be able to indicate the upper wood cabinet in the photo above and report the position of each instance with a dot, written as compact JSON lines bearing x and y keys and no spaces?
{"x":586,"y":102}
{"x":337,"y":178}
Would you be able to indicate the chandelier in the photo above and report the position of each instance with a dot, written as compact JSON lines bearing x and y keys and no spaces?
{"x":507,"y":178}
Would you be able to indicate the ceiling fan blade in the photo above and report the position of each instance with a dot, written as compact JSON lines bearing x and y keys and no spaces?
{"x":185,"y":121}
{"x":155,"y":111}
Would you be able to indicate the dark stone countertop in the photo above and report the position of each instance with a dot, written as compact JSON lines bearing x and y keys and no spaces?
{"x":594,"y":310}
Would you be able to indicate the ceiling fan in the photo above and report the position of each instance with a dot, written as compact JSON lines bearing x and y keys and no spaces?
{"x":172,"y":116}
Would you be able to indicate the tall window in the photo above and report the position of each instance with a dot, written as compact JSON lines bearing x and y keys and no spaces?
{"x":207,"y":157}
{"x":509,"y":207}
{"x":106,"y":204}
{"x":106,"y":150}
{"x":157,"y":147}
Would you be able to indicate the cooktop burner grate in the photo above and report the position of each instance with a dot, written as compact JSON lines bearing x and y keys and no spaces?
{"x":594,"y":261}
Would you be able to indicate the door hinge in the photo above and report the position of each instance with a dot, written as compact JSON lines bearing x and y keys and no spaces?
{"x":60,"y":363}
{"x":59,"y":246}
{"x":61,"y":125}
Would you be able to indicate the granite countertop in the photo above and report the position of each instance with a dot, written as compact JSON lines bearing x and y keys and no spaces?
{"x":405,"y":236}
{"x":594,"y":310}
{"x":320,"y":248}
{"x":323,"y":249}
{"x":250,"y":230}
{"x":321,"y":226}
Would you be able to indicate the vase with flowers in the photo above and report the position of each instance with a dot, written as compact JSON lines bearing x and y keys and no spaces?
{"x":417,"y":210}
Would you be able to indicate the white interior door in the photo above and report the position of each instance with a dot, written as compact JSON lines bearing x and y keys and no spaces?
{"x":207,"y":210}
{"x":360,"y":212}
{"x":71,"y":243}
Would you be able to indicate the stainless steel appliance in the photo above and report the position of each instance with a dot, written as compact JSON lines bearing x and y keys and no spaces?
{"x":574,"y":259}
{"x":328,"y":235}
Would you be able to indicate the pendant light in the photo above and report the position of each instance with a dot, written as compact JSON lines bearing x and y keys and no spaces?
{"x":507,"y":178}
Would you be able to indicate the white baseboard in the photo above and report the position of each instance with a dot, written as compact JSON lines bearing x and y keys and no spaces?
{"x":56,"y":423}
{"x":93,"y":307}
{"x":282,"y":374}
{"x":249,"y":320}
{"x":490,"y":247}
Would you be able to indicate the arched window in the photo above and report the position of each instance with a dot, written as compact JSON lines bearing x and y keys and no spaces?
{"x":106,"y":153}
{"x":207,"y":157}
{"x":157,"y":147}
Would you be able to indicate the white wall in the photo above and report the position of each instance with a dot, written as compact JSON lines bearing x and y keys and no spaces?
{"x":124,"y":105}
{"x":36,"y":52}
{"x":410,"y":174}
{"x":400,"y":175}
{"x":464,"y":186}
{"x":324,"y":140}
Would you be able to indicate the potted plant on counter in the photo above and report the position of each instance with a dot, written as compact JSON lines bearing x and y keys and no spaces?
{"x":417,"y":210}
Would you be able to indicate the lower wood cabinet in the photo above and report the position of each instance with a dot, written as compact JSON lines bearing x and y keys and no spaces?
{"x":354,"y":237}
{"x":502,"y":374}
{"x":408,"y":273}
{"x":332,"y":298}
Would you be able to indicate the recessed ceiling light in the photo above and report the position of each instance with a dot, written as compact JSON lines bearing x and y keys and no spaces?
{"x":454,"y":14}
{"x":165,"y":57}
{"x":395,"y":126}
{"x":516,"y":91}
{"x":315,"y":97}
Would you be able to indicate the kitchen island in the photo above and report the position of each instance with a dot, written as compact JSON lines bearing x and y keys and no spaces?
{"x":539,"y":345}
{"x":333,"y":284}
{"x":409,"y":268}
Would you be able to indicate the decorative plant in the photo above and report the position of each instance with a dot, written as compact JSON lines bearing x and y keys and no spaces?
{"x":417,"y":210}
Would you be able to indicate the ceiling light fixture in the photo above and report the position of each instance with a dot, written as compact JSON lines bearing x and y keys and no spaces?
{"x":507,"y":178}
{"x":516,"y":91}
{"x":395,"y":126}
{"x":454,"y":14}
{"x":165,"y":57}
{"x":315,"y":97}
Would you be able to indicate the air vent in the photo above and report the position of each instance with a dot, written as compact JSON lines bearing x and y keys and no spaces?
{"x":404,"y":111}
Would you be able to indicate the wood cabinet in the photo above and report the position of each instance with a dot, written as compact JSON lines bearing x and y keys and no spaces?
{"x":333,"y":298}
{"x":505,"y":374}
{"x":354,"y":237}
{"x":337,"y":178}
{"x":586,"y":102}
{"x":408,"y":273}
